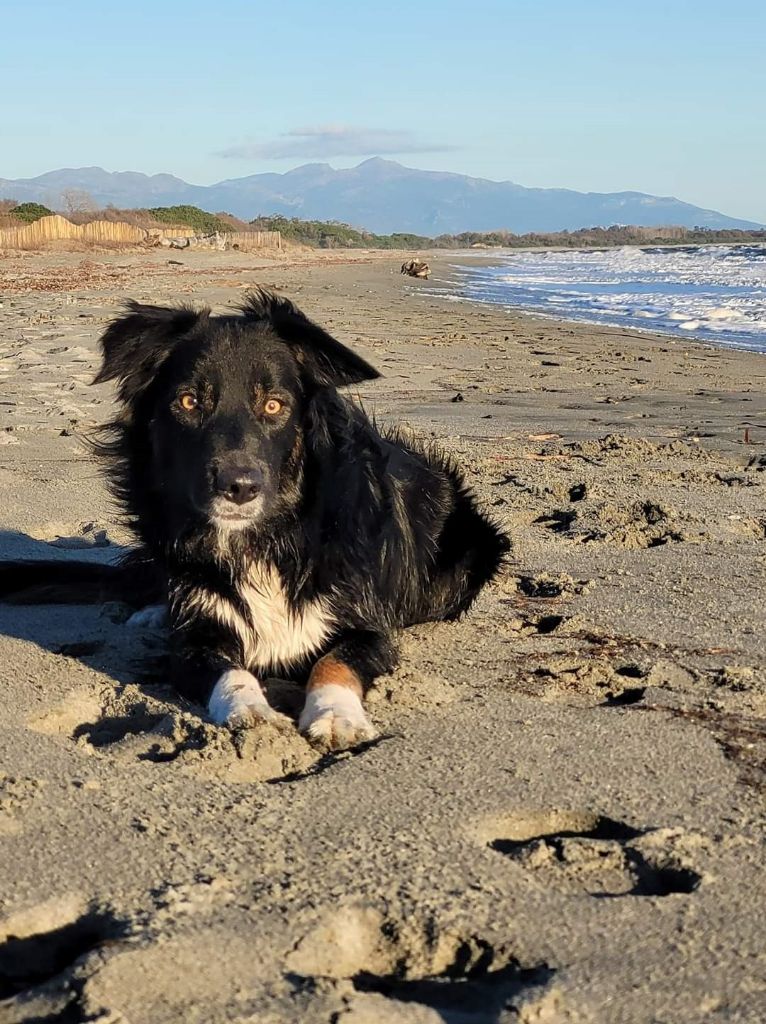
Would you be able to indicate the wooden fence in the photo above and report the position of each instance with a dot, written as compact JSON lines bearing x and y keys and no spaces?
{"x":56,"y":228}
{"x":103,"y":232}
{"x":254,"y":239}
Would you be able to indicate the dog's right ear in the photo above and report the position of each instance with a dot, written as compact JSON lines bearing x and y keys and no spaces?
{"x":136,"y":344}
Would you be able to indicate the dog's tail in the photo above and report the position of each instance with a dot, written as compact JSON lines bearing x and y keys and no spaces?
{"x":135,"y":581}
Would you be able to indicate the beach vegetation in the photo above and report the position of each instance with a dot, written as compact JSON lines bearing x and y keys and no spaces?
{"x":337,"y":235}
{"x":30,"y":212}
{"x":202,"y":222}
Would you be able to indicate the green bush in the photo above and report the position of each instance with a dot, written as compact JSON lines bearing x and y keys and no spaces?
{"x":29,"y":212}
{"x":331,"y":234}
{"x":203,"y":223}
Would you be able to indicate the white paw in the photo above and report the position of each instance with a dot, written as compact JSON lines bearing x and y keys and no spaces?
{"x":333,"y":718}
{"x":153,"y":616}
{"x":238,"y":701}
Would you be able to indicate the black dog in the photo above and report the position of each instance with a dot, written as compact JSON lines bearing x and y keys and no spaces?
{"x":284,"y":531}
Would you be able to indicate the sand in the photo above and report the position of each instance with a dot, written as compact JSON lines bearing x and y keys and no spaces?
{"x":563,"y":818}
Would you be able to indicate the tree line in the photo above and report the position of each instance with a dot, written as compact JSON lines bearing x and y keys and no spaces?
{"x":80,"y":209}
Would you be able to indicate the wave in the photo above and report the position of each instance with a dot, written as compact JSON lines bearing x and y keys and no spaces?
{"x":717,"y":292}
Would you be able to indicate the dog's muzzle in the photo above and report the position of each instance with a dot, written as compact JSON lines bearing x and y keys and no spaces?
{"x":238,"y":484}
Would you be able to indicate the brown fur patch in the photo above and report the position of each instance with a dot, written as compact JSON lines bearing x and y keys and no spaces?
{"x":330,"y":670}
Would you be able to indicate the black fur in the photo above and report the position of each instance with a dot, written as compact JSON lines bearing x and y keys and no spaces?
{"x":383,"y":532}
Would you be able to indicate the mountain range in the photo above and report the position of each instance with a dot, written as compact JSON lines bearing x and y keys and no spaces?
{"x":379,"y":195}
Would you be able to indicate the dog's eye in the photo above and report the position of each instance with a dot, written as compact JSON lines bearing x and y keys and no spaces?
{"x":188,"y":401}
{"x":273,"y":406}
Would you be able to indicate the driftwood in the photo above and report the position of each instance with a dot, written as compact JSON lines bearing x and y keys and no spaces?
{"x":416,"y":268}
{"x":212,"y":241}
{"x":219,"y":241}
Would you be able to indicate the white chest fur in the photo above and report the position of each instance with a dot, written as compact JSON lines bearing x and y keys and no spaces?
{"x":270,"y":631}
{"x":282,"y":634}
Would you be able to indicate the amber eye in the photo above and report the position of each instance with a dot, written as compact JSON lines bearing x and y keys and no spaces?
{"x":188,"y":401}
{"x":273,"y":406}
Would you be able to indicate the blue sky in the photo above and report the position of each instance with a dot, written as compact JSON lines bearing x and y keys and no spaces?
{"x":661,"y":97}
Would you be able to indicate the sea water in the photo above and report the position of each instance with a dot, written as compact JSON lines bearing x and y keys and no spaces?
{"x":716,"y":293}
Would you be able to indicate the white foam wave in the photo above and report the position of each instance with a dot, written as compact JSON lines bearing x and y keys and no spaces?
{"x":717,"y":292}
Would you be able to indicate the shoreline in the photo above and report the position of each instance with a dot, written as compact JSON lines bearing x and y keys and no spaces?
{"x":301,"y":258}
{"x":602,"y":707}
{"x":691,"y":337}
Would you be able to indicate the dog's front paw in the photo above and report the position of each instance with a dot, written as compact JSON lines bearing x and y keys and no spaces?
{"x":238,"y":702}
{"x":333,"y":718}
{"x":258,"y":714}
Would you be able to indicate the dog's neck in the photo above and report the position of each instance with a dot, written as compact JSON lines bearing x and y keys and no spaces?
{"x":222,"y":556}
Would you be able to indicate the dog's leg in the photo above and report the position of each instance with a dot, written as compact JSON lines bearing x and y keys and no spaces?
{"x":208,"y":665}
{"x":231,"y":695}
{"x":234,"y":698}
{"x":237,"y":700}
{"x":333,"y":716}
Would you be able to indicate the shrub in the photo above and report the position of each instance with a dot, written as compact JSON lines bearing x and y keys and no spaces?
{"x":202,"y":222}
{"x":29,"y":212}
{"x":332,"y":234}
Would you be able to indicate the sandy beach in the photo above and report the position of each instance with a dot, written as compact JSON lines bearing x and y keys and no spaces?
{"x":563,"y":817}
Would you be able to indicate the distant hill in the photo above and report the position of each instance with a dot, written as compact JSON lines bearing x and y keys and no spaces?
{"x":381,"y":195}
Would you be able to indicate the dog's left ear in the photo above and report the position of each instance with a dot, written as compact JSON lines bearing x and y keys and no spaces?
{"x":326,"y":360}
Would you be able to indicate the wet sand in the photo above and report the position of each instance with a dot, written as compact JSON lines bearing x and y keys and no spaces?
{"x":563,"y":819}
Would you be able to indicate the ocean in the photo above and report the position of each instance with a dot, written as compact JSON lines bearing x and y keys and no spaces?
{"x":716,"y":293}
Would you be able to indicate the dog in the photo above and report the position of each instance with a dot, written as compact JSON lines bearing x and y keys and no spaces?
{"x":283,"y":531}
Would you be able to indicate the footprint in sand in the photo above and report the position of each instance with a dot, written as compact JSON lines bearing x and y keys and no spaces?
{"x":582,"y":851}
{"x":548,"y":586}
{"x":184,"y":740}
{"x":16,"y":793}
{"x":645,"y":524}
{"x":389,"y":960}
{"x":41,"y":942}
{"x":80,"y":706}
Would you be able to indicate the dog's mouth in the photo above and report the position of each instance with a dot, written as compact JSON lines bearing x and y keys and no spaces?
{"x":232,"y":520}
{"x":224,"y":515}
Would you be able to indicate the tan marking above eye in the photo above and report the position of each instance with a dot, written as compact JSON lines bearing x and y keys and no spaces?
{"x":188,"y":401}
{"x":272,"y":406}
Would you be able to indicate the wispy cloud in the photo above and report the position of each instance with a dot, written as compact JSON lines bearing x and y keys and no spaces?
{"x":333,"y":140}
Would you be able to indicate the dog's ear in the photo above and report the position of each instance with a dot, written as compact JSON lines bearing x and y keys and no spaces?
{"x":135,"y":345}
{"x":324,"y":358}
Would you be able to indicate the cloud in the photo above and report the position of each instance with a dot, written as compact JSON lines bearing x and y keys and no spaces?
{"x":333,"y":140}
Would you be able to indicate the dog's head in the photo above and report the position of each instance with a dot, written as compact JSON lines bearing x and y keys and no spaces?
{"x":223,"y":400}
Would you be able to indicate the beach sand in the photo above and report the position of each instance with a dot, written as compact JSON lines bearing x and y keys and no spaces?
{"x":563,"y":819}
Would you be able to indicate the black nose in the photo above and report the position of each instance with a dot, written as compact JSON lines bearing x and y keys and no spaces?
{"x":239,"y":484}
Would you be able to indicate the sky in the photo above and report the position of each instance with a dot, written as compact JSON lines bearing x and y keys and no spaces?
{"x":659,"y":97}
